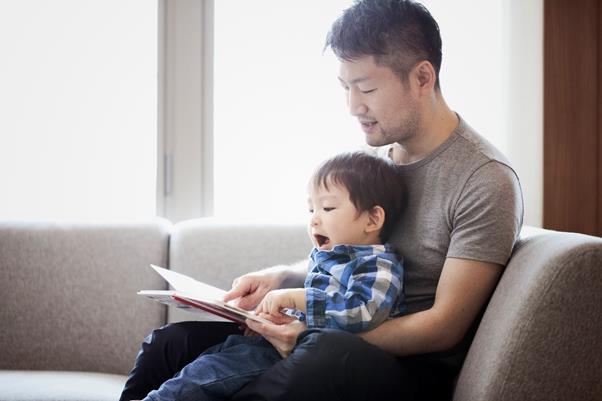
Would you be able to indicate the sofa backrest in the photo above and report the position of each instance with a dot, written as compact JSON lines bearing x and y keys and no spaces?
{"x":541,"y":335}
{"x":68,"y":293}
{"x":216,"y":251}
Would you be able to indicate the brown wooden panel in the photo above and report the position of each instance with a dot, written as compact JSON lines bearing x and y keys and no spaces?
{"x":571,"y":83}
{"x":599,"y":120}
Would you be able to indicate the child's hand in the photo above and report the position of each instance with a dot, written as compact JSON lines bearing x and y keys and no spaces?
{"x":277,"y":300}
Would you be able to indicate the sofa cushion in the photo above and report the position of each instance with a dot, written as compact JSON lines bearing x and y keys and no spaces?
{"x":20,"y":385}
{"x":69,"y":293}
{"x":540,"y":336}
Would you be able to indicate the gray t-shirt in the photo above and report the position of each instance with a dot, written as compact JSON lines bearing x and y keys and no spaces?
{"x":464,"y":201}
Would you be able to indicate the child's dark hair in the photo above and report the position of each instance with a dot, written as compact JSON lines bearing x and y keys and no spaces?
{"x":398,"y":33}
{"x":371,"y":181}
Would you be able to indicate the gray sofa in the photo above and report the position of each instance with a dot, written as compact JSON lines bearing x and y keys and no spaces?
{"x":72,"y":322}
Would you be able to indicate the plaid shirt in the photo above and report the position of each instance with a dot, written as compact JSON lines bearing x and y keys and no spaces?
{"x":353,"y":287}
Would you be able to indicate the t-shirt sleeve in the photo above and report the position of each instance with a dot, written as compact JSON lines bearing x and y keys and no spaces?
{"x":488,"y":215}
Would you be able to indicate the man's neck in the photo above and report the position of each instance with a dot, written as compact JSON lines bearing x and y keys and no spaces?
{"x":437,"y":124}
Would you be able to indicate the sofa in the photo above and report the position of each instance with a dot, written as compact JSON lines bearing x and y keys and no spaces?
{"x":72,"y":322}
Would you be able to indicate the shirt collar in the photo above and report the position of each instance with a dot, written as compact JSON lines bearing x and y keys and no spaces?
{"x":349,"y":251}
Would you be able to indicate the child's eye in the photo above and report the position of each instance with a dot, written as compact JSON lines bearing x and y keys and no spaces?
{"x":368,"y":91}
{"x":311,"y":210}
{"x":328,"y":209}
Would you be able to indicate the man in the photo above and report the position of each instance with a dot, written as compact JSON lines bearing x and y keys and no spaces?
{"x":462,"y":219}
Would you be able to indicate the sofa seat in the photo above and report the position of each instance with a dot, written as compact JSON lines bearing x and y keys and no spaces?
{"x":23,"y":385}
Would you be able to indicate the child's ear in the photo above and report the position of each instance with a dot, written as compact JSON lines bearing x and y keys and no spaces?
{"x":376,"y":219}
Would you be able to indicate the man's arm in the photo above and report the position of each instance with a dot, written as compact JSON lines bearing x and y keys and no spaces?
{"x":464,"y":288}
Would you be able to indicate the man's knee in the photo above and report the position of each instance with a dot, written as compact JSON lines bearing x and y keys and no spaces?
{"x":330,"y":342}
{"x":326,"y":345}
{"x":164,"y":335}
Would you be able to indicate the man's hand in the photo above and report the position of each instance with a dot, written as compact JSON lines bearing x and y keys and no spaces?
{"x":252,"y":287}
{"x":283,"y":337}
{"x":276,"y":300}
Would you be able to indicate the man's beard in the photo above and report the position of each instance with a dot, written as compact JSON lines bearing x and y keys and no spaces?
{"x":404,"y":132}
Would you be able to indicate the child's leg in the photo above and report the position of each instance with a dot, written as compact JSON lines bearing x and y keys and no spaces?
{"x":219,"y":372}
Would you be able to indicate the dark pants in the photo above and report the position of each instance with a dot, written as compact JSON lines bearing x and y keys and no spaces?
{"x":326,"y":364}
{"x":219,"y":372}
{"x":167,"y":350}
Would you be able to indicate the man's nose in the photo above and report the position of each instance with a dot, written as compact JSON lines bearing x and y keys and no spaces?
{"x":357,"y":107}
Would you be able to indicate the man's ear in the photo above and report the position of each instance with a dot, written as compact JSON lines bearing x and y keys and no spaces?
{"x":425,"y":74}
{"x":376,"y":219}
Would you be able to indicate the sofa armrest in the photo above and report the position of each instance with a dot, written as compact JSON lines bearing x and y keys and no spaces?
{"x":540,"y":335}
{"x":217,"y":251}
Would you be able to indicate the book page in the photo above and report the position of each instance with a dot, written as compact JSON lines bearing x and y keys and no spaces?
{"x":166,"y":297}
{"x":189,"y":294}
{"x":190,"y":286}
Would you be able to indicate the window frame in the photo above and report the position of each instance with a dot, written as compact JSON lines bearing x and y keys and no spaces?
{"x":185,"y":123}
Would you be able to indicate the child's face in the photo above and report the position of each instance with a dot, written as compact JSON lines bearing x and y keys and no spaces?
{"x":334,"y":219}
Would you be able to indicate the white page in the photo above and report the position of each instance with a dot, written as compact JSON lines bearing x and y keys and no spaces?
{"x":185,"y":284}
{"x":186,"y":287}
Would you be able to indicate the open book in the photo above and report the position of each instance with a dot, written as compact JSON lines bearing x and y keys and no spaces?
{"x":194,"y":296}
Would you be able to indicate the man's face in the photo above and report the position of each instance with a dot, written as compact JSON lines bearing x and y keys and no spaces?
{"x":384,"y":106}
{"x":334,"y":219}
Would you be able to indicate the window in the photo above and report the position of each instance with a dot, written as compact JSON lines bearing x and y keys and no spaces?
{"x":278,"y":107}
{"x":248,"y":103}
{"x":78,"y":127}
{"x":279,"y":111}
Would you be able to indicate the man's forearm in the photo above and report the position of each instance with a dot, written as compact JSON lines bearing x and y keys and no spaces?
{"x":417,"y":333}
{"x":292,"y":276}
{"x":464,"y":288}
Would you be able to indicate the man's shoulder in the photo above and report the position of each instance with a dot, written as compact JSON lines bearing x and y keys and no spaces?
{"x":470,"y":155}
{"x":477,"y":146}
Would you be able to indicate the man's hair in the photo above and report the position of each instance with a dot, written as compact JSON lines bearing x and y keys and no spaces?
{"x":371,"y":181}
{"x":398,"y":33}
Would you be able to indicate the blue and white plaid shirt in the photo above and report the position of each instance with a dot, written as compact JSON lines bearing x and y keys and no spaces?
{"x":353,"y":287}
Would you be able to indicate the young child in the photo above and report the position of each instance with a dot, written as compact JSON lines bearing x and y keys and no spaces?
{"x":354,"y":282}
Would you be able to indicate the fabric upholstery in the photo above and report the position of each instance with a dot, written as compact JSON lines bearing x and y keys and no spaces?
{"x":540,"y":338}
{"x":59,"y":386}
{"x":69,"y":293}
{"x":69,"y":305}
{"x":216,"y":252}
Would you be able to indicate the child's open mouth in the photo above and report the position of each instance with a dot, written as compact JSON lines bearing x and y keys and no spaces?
{"x":321,"y":240}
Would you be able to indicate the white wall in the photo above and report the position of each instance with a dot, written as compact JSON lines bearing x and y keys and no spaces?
{"x":492,"y":74}
{"x":524,"y":100}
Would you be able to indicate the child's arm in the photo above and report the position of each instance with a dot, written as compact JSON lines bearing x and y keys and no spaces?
{"x":362,"y":303}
